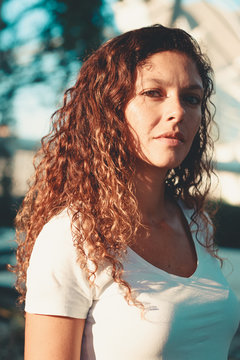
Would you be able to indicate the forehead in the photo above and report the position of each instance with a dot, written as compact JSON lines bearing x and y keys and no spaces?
{"x":169,"y":66}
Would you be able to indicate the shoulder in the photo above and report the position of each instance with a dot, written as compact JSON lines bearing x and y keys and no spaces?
{"x":199,"y":223}
{"x":192,"y":215}
{"x":56,"y":284}
{"x":57,"y":228}
{"x":54,"y":240}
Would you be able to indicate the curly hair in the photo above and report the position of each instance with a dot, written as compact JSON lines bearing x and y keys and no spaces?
{"x":85,"y":163}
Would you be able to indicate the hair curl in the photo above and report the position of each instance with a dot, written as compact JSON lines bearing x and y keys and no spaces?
{"x":86,"y":165}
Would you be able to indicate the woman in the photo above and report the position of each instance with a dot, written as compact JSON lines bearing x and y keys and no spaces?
{"x":113,"y":235}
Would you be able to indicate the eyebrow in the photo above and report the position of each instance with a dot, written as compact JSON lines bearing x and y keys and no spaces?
{"x":164,"y":83}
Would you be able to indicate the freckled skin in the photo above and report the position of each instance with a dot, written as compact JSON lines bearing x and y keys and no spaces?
{"x":168,"y":95}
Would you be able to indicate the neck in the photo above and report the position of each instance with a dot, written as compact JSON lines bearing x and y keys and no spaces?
{"x":150,"y":192}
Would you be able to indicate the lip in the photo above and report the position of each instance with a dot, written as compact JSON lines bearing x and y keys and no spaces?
{"x":172,"y":135}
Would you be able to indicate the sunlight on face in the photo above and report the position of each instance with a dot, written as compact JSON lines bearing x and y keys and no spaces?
{"x":165,"y":113}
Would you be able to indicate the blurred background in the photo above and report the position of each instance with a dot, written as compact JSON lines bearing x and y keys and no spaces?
{"x":42,"y":46}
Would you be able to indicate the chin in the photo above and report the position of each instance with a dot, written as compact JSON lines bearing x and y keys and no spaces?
{"x":166,"y":164}
{"x":164,"y":161}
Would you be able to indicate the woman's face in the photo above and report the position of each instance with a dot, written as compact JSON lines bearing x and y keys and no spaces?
{"x":165,"y":112}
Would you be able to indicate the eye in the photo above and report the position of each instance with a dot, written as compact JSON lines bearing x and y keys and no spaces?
{"x":153,"y":93}
{"x":192,"y":99}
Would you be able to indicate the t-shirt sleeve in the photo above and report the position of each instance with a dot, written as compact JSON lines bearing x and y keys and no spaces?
{"x":56,"y":285}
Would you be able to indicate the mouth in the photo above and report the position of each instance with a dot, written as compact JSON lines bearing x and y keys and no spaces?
{"x":172,"y":135}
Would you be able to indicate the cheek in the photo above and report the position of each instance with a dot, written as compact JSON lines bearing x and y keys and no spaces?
{"x":139,"y":136}
{"x":135,"y":123}
{"x":193,"y":136}
{"x":194,"y":127}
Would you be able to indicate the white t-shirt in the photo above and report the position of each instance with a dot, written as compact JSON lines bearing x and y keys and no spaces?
{"x":185,"y":318}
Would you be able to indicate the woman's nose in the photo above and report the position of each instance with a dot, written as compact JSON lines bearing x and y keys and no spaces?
{"x":175,"y":110}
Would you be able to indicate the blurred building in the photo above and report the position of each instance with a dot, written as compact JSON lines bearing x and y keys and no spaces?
{"x":22,"y":165}
{"x":16,"y":163}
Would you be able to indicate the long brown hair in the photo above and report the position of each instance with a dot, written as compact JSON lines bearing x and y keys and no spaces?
{"x":86,"y":165}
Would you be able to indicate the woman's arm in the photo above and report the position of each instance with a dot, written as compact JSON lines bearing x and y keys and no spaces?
{"x":53,"y":337}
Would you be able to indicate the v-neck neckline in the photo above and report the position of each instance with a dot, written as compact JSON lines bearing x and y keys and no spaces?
{"x":189,"y":225}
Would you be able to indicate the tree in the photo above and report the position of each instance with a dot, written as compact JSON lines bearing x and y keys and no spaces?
{"x":45,"y":35}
